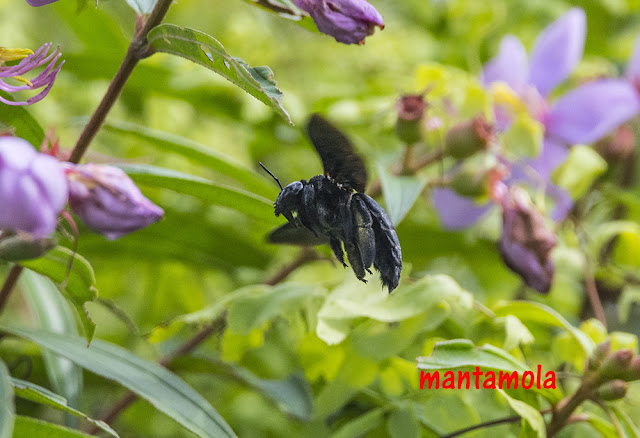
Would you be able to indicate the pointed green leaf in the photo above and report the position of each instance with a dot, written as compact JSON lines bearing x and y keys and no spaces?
{"x":52,"y":313}
{"x":205,"y":50}
{"x":400,"y":193}
{"x":530,"y":415}
{"x":78,"y":285}
{"x":27,"y":427}
{"x":7,"y":408}
{"x":199,"y":154}
{"x":37,"y":394}
{"x":361,"y":425}
{"x":217,"y":194}
{"x":163,"y":389}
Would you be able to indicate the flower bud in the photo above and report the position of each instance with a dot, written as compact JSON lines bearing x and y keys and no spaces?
{"x":411,"y":109}
{"x":471,"y":178}
{"x":348,"y":21}
{"x":108,"y":201}
{"x":618,"y":146}
{"x":612,"y":390}
{"x":23,"y":246}
{"x":633,"y":370}
{"x":525,"y":243}
{"x":33,"y":189}
{"x":467,"y":138}
{"x":601,"y":352}
{"x":616,"y":365}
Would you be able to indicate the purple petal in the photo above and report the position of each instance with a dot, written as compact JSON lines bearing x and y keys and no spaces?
{"x":558,"y":50}
{"x":40,"y":2}
{"x":553,"y":154}
{"x":633,"y":67}
{"x":562,"y":200}
{"x":590,"y":111}
{"x":510,"y":65}
{"x":455,"y":211}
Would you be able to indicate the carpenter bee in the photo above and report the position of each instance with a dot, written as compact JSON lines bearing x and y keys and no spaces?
{"x":332,"y":208}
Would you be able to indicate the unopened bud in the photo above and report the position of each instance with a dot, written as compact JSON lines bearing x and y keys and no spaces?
{"x":633,"y":370}
{"x":616,"y":365}
{"x":467,"y":138}
{"x":600,"y":353}
{"x":411,"y":108}
{"x":618,"y":146}
{"x":23,"y":246}
{"x":472,"y":177}
{"x":526,"y":243}
{"x":612,"y":390}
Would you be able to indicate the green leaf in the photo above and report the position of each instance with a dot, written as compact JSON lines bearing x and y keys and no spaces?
{"x":541,"y":314}
{"x":198,"y":153}
{"x":607,"y":231}
{"x":361,"y":425}
{"x":604,"y":428}
{"x":580,"y":170}
{"x":530,"y":415}
{"x":524,"y":137}
{"x":52,"y":313}
{"x":20,"y":121}
{"x":262,"y":303}
{"x":207,"y":51}
{"x":37,"y":394}
{"x":217,"y":194}
{"x":27,"y":427}
{"x":462,"y":353}
{"x":163,"y":389}
{"x":400,"y":193}
{"x":629,"y":428}
{"x":142,"y":6}
{"x":403,"y":423}
{"x":7,"y":407}
{"x":79,"y":284}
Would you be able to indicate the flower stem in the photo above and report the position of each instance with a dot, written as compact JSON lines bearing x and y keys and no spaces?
{"x":9,"y":284}
{"x":564,"y":409}
{"x":492,"y":423}
{"x":138,"y":49}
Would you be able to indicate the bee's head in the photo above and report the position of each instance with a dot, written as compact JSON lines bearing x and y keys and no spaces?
{"x":288,"y":201}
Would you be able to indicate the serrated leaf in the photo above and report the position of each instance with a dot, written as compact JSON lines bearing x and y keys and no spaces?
{"x":198,"y":153}
{"x":7,"y":407}
{"x":20,"y":121}
{"x":216,"y":194}
{"x":205,"y":50}
{"x":400,"y":193}
{"x":539,"y":313}
{"x":163,"y":389}
{"x":37,"y":394}
{"x":27,"y":427}
{"x":79,"y":284}
{"x":52,"y":313}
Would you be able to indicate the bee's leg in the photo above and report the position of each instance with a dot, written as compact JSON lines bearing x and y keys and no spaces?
{"x":363,"y":228}
{"x":353,"y":253}
{"x":336,"y":246}
{"x":388,"y":258}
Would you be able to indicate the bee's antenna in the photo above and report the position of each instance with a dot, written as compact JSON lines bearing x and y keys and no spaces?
{"x":272,"y":175}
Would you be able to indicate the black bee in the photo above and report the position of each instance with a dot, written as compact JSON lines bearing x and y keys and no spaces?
{"x":326,"y":209}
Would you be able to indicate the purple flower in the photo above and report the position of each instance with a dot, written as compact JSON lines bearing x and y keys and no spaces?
{"x":108,"y":201}
{"x":525,"y":243}
{"x":583,"y":115}
{"x":33,"y":188}
{"x":31,"y":61}
{"x":40,"y":2}
{"x":348,"y":21}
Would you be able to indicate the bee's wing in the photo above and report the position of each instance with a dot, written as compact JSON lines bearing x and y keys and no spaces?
{"x":288,"y":234}
{"x":339,"y":159}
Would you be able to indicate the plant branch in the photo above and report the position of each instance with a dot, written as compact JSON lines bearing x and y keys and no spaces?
{"x":492,"y":423}
{"x":138,"y":49}
{"x":9,"y":284}
{"x":564,"y":410}
{"x":305,"y":256}
{"x":592,"y":293}
{"x":408,"y":166}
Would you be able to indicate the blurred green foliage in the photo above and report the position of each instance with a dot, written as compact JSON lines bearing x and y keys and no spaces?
{"x":342,"y":350}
